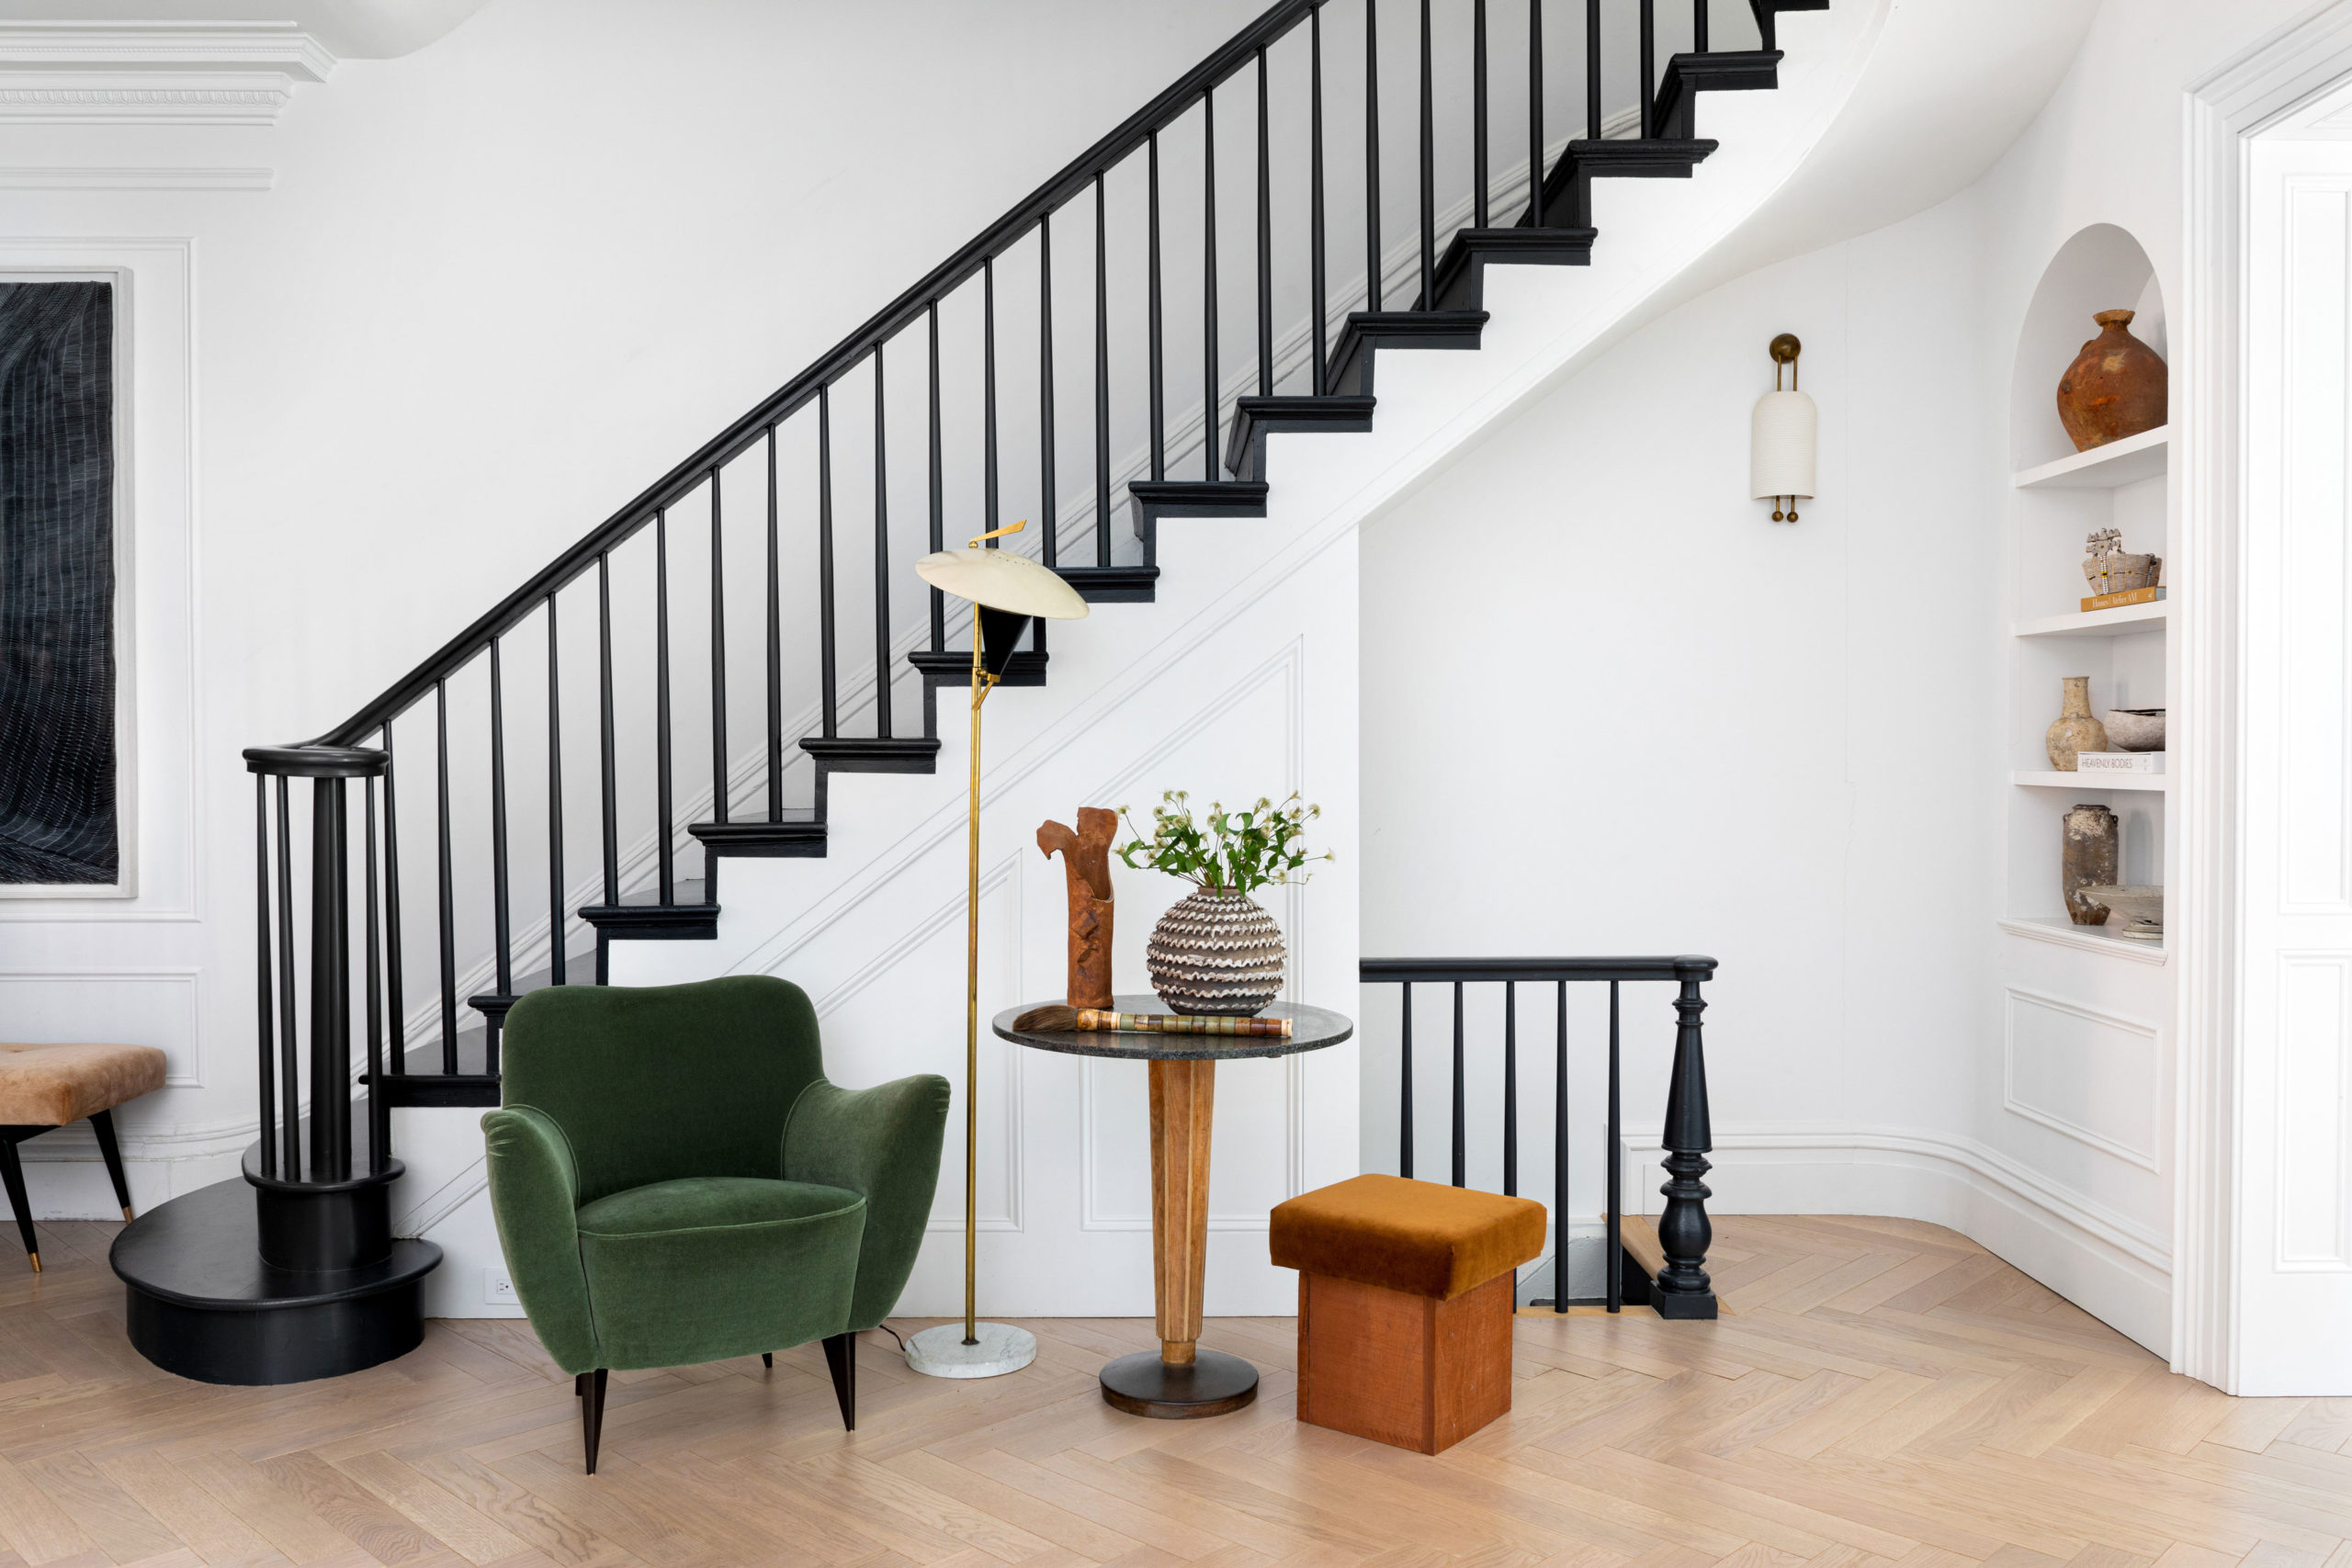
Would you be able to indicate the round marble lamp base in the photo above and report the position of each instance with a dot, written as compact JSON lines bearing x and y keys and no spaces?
{"x":941,"y":1352}
{"x":1214,"y":1384}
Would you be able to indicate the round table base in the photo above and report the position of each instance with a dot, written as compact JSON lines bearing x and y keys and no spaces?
{"x":1214,"y":1384}
{"x":941,"y":1352}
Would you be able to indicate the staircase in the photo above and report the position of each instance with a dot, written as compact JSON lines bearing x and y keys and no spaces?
{"x":415,"y":814}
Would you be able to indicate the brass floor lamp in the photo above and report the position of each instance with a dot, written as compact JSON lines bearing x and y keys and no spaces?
{"x":1006,"y":591}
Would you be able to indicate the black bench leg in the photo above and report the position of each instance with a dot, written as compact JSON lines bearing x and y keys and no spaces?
{"x":102,"y":1123}
{"x":12,"y":1175}
{"x":589,"y":1388}
{"x":841,"y":1359}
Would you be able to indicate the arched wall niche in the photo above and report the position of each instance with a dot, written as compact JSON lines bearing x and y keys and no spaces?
{"x":2100,"y":268}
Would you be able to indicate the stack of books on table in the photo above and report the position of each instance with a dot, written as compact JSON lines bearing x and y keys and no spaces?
{"x":2120,"y":761}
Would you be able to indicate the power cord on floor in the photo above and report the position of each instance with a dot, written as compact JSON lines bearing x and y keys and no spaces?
{"x":894,"y":1334}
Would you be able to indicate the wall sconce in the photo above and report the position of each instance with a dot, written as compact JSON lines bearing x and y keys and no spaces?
{"x":1782,"y":437}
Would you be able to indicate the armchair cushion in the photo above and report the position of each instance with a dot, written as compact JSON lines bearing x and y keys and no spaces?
{"x":702,"y":1268}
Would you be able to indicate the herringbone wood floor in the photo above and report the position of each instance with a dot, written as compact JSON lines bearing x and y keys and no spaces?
{"x":1886,"y":1393}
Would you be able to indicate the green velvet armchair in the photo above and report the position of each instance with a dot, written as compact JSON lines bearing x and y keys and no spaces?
{"x":675,"y":1182}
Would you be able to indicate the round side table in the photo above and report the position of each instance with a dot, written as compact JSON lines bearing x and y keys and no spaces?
{"x":1181,"y":1379}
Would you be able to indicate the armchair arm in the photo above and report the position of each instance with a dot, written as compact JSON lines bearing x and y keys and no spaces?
{"x":534,"y":1195}
{"x":883,"y":1143}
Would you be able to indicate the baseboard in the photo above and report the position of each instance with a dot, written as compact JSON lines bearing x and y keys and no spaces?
{"x":2109,"y":1265}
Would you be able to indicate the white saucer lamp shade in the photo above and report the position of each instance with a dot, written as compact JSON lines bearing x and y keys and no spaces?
{"x":1782,"y":439}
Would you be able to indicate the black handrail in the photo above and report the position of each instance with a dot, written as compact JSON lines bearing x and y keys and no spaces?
{"x":1680,"y":1288}
{"x":902,"y":312}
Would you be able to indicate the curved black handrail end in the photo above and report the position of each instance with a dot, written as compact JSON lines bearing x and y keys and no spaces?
{"x":314,"y":761}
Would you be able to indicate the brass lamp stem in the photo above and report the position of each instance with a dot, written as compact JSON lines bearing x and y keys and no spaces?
{"x":982,"y":682}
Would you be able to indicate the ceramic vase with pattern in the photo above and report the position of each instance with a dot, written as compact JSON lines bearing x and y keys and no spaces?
{"x":1216,"y":952}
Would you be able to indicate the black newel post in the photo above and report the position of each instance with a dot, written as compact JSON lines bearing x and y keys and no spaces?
{"x":330,"y":985}
{"x":1682,"y":1289}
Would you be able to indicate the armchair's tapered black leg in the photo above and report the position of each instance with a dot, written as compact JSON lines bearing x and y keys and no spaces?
{"x":767,"y":1359}
{"x":841,"y":1359}
{"x":102,"y":1123}
{"x":12,"y":1175}
{"x":590,"y":1389}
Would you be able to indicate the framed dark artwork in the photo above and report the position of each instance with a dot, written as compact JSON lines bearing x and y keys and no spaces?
{"x":59,"y":739}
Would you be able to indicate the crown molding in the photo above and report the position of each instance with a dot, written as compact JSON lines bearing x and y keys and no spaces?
{"x":141,"y":74}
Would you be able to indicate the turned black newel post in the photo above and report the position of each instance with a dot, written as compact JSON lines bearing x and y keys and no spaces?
{"x":1682,"y":1289}
{"x":330,"y":974}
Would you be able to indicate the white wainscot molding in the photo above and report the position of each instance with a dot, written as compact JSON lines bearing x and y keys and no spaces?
{"x":2088,"y":1074}
{"x":150,"y":73}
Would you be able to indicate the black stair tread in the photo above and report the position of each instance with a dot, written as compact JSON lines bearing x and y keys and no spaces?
{"x":360,"y":1175}
{"x":1461,"y":271}
{"x":1200,"y":498}
{"x":1255,"y":418}
{"x":1718,"y":71}
{"x":836,"y":749}
{"x":1352,"y":355}
{"x":203,"y":1249}
{"x":952,"y":667}
{"x":1110,"y":584}
{"x":1625,"y":152}
{"x":800,"y":835}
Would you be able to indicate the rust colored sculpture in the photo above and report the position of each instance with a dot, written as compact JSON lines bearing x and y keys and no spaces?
{"x":1086,"y":859}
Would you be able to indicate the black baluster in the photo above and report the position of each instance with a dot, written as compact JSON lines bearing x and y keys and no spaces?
{"x":1535,"y":219}
{"x":501,"y":913}
{"x":1404,"y":1093}
{"x":1050,"y":513}
{"x":1461,"y":1130}
{"x":330,"y":985}
{"x":881,"y":561}
{"x":393,"y":1002}
{"x":1102,"y":385}
{"x":557,"y":915}
{"x":1510,"y":1089}
{"x":289,"y":1067}
{"x":720,"y":773}
{"x":987,"y":395}
{"x":1614,"y":1153}
{"x":1560,"y":1159}
{"x":448,"y":884}
{"x":1479,"y":109}
{"x":665,"y":827}
{"x":1265,"y":244}
{"x":1159,"y":382}
{"x":775,"y":650}
{"x":1698,"y":27}
{"x":1682,"y":1289}
{"x":1372,"y":155}
{"x":831,"y":718}
{"x":1429,"y":172}
{"x":938,"y":489}
{"x":1319,"y":308}
{"x":1592,"y":70}
{"x":262,"y":954}
{"x":607,"y":782}
{"x":1211,"y":403}
{"x":1649,"y":68}
{"x":379,"y":1109}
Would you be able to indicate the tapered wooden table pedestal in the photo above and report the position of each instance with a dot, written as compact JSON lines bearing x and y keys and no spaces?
{"x":1181,"y":1380}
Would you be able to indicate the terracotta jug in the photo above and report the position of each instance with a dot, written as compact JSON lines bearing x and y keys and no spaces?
{"x":2114,"y":388}
{"x":2073,"y":731}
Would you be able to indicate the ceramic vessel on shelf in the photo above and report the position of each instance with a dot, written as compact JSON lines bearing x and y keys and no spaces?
{"x":2073,"y":731}
{"x":2134,"y":912}
{"x":2093,"y":852}
{"x":2109,"y":567}
{"x":1216,"y":952}
{"x":2115,"y":388}
{"x":2135,"y":729}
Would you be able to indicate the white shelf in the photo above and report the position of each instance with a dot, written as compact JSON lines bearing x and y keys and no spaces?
{"x":2116,"y":622}
{"x":2141,"y":457}
{"x":2090,"y":780}
{"x":2063,"y":932}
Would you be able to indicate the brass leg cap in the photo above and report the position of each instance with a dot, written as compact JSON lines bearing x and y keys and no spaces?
{"x":36,"y":1261}
{"x":126,"y":1212}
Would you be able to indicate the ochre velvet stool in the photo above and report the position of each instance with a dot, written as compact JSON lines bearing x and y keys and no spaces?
{"x":42,"y":1088}
{"x":1405,"y":1305}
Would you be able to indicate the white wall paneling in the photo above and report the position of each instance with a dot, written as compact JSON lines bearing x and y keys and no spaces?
{"x":110,"y":1006}
{"x":2095,"y":1076}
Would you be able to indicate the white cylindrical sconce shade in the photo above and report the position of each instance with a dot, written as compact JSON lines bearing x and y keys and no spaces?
{"x":1782,"y":439}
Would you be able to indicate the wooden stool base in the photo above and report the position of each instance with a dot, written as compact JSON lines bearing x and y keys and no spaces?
{"x":1214,"y":1384}
{"x":1408,"y":1370}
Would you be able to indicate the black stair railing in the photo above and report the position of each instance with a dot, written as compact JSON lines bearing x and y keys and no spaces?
{"x":693,"y":752}
{"x":1681,"y":1288}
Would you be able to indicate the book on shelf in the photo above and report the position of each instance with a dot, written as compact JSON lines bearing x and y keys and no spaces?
{"x":2116,"y":601}
{"x":2119,"y":761}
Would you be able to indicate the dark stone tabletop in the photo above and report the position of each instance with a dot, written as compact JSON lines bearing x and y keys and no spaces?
{"x":1311,"y":1030}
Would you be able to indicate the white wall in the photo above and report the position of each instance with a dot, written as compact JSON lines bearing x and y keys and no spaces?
{"x":1685,"y":728}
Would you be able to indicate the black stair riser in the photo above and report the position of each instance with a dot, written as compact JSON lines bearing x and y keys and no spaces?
{"x":1688,"y":75}
{"x":281,"y":1345}
{"x":1254,"y":419}
{"x":1462,"y":270}
{"x":1367,"y":331}
{"x":1567,"y":189}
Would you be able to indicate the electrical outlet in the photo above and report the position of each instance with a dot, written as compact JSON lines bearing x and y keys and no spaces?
{"x":497,"y":1290}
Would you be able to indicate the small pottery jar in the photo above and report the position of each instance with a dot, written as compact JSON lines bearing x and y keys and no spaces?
{"x":1217,"y":953}
{"x":2094,"y":844}
{"x":2115,"y":388}
{"x":2073,"y":731}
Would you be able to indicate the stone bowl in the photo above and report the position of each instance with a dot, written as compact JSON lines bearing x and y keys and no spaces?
{"x":2136,"y":729}
{"x":2134,"y":912}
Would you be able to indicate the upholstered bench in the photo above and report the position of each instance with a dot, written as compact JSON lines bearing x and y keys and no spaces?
{"x":42,"y":1088}
{"x":1405,"y":1302}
